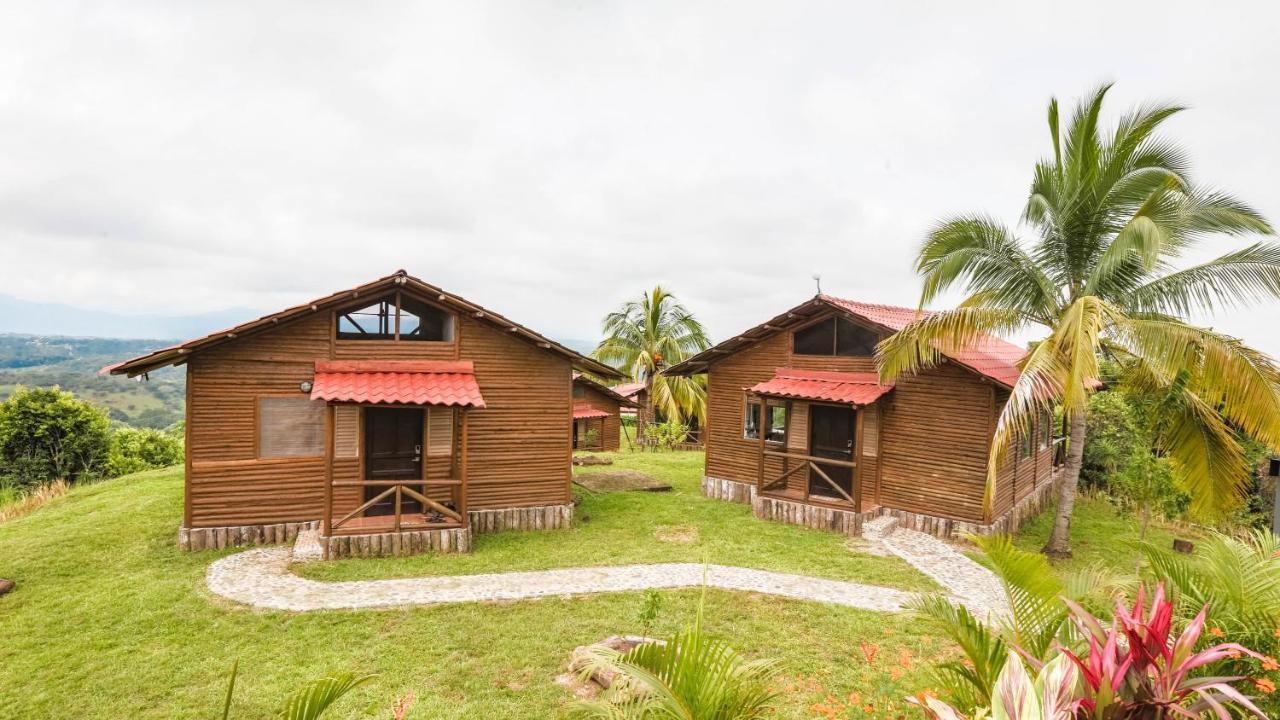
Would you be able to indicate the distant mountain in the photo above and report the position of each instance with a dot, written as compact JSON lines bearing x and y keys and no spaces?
{"x":44,"y":319}
{"x":72,"y":363}
{"x":581,"y":346}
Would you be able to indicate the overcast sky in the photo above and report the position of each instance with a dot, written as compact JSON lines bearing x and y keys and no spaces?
{"x":550,"y":160}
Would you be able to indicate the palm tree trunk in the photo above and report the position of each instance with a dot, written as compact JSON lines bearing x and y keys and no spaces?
{"x":1060,"y":540}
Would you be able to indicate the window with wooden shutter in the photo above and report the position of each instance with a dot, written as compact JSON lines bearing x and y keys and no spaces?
{"x":440,"y":431}
{"x":346,"y":431}
{"x":290,"y":427}
{"x":870,"y":430}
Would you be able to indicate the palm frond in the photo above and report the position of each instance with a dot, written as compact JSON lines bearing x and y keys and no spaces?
{"x":1236,"y":279}
{"x":922,"y":343}
{"x":312,"y":699}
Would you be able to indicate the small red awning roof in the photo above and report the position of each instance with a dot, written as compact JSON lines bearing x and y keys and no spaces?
{"x":585,"y":410}
{"x":398,"y":382}
{"x":837,"y":387}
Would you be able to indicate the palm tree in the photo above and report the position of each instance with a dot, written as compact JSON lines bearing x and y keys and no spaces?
{"x":644,"y":335}
{"x":692,"y":676}
{"x":1111,"y":213}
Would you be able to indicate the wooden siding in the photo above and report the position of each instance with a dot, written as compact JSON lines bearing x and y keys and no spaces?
{"x":935,"y":435}
{"x":518,"y":450}
{"x":923,"y":449}
{"x":731,"y":456}
{"x":610,"y":427}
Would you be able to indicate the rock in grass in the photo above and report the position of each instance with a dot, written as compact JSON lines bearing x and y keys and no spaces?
{"x":6,"y":586}
{"x":591,"y":460}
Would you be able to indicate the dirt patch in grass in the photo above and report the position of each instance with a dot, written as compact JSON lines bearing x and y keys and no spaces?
{"x":682,"y":534}
{"x":620,"y":481}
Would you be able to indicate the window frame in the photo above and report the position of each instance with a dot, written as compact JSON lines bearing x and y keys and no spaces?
{"x":834,"y":320}
{"x":258,"y":426}
{"x":396,"y":304}
{"x":751,"y":418}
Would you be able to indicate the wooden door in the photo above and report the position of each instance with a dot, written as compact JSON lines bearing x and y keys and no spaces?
{"x":831,"y":435}
{"x":393,"y":451}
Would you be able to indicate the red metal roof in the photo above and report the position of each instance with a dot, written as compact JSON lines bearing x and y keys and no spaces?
{"x":586,"y":410}
{"x":398,"y":382}
{"x":629,"y":390}
{"x":988,"y":355}
{"x":840,"y":387}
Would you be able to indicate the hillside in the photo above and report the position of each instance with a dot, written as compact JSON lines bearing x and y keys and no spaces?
{"x":72,"y":363}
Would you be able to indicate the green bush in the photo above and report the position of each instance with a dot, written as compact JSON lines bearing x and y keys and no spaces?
{"x":46,"y":434}
{"x":137,"y":449}
{"x":1113,"y":439}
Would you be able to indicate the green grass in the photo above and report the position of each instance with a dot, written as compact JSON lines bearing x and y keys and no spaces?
{"x":619,"y":529}
{"x":111,"y":620}
{"x":1099,"y":536}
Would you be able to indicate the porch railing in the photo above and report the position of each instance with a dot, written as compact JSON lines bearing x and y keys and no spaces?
{"x":813,"y":463}
{"x":399,"y":490}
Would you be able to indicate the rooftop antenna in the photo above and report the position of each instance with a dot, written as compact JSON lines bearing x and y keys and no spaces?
{"x":817,"y":280}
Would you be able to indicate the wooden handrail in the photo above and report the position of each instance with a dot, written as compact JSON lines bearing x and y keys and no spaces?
{"x":786,"y":475}
{"x":811,"y":458}
{"x":834,"y":486}
{"x":384,"y":483}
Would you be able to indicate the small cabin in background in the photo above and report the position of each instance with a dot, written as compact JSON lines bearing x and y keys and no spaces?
{"x":394,"y":417}
{"x":800,"y":427}
{"x":597,"y":411}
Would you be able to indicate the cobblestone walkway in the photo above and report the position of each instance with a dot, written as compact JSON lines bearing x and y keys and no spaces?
{"x":971,"y":584}
{"x":262,"y":578}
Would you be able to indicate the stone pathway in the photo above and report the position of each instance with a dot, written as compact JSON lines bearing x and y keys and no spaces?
{"x":971,"y":584}
{"x":262,"y":578}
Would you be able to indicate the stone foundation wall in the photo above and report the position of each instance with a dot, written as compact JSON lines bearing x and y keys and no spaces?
{"x":729,"y":490}
{"x":845,"y":522}
{"x":542,"y":517}
{"x":405,"y":542}
{"x":241,"y":535}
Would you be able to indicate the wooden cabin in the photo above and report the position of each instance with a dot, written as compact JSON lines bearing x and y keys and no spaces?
{"x":394,"y":417}
{"x":597,"y":423}
{"x":799,"y":425}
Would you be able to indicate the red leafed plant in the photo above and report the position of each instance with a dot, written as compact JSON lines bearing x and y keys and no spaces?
{"x":1136,"y":668}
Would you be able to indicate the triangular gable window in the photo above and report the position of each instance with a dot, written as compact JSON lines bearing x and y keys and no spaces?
{"x":396,"y":317}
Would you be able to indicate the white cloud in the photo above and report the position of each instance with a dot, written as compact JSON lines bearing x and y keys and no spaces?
{"x":552,"y":159}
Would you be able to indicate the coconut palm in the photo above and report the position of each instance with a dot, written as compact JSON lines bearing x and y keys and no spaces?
{"x":1110,"y":214}
{"x":644,"y":335}
{"x":309,"y":701}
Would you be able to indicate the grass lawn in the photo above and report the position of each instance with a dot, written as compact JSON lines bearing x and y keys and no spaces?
{"x":622,"y":528}
{"x":111,"y":620}
{"x":1099,"y":536}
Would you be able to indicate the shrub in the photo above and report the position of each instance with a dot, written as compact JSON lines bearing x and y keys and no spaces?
{"x":137,"y":449}
{"x":46,"y":434}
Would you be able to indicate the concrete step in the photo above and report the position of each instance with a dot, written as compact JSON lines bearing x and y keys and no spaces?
{"x":879,"y":527}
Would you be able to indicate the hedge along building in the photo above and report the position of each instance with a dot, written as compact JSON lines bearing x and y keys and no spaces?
{"x":597,"y":424}
{"x":395,"y":416}
{"x":799,"y":426}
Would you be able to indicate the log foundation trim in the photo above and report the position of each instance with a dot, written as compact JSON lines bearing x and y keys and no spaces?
{"x":845,"y":522}
{"x":728,"y":490}
{"x":214,"y":538}
{"x":405,"y":542}
{"x":540,"y":517}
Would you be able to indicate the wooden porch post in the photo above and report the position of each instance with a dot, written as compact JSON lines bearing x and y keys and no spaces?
{"x":857,"y":458}
{"x":462,"y":471}
{"x":327,"y":520}
{"x":760,"y":432}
